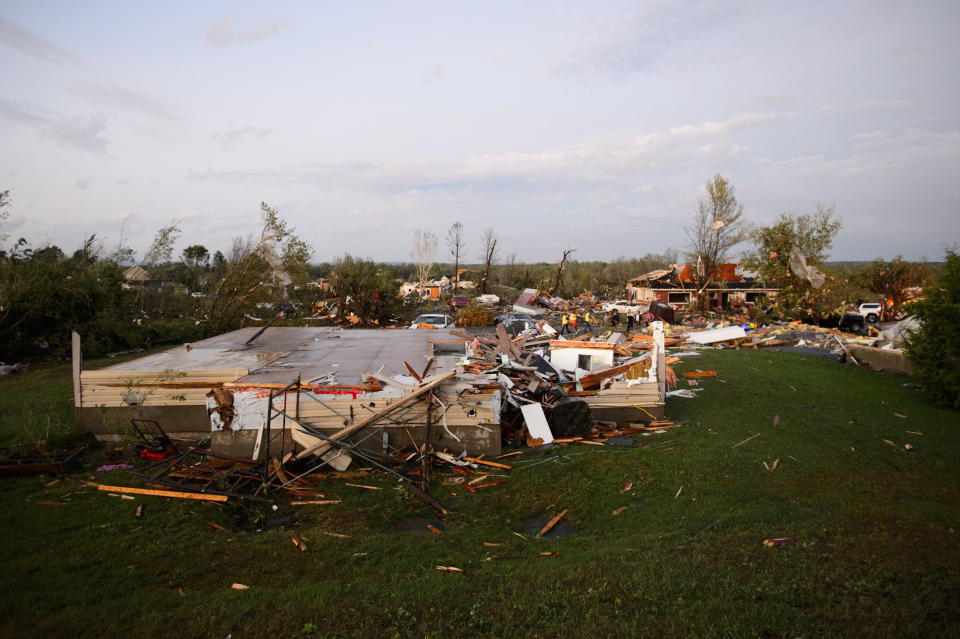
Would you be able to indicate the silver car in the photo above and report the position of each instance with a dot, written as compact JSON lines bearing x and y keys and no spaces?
{"x":435,"y":321}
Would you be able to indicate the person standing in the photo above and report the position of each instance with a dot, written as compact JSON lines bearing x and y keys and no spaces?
{"x":573,"y":322}
{"x":629,"y":322}
{"x":615,"y":318}
{"x":586,"y":321}
{"x":564,"y":321}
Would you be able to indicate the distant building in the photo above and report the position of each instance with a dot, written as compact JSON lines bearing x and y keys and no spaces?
{"x":135,"y":276}
{"x":674,"y":285}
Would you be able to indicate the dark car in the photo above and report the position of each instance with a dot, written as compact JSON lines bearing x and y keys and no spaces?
{"x":459,"y":300}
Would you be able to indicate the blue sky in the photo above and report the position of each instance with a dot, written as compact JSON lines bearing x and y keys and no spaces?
{"x":559,"y":124}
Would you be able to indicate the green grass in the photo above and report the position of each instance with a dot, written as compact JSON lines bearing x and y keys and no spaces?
{"x":876,"y":526}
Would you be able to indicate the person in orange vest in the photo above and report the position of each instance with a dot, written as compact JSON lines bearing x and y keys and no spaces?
{"x":573,"y":322}
{"x":564,"y":320}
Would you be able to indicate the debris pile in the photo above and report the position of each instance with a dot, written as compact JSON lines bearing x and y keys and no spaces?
{"x":530,"y":390}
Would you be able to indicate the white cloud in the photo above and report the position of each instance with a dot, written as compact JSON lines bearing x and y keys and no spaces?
{"x":226,"y":31}
{"x":865,"y":107}
{"x":123,"y":98}
{"x":30,"y":43}
{"x":84,"y":134}
{"x":229,"y":137}
{"x":587,"y":163}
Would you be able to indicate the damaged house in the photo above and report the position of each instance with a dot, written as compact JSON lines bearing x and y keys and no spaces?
{"x":300,"y":391}
{"x":729,"y":285}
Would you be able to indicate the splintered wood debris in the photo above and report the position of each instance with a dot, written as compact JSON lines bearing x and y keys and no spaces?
{"x":553,"y":522}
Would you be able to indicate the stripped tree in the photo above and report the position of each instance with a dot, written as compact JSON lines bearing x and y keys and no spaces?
{"x":558,"y":280}
{"x":489,"y":257}
{"x":717,"y":228}
{"x":457,"y":246}
{"x":424,"y":251}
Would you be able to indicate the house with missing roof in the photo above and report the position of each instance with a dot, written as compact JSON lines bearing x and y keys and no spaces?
{"x":729,"y":286}
{"x":250,"y":391}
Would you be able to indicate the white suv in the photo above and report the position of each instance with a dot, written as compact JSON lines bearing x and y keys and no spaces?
{"x":871,"y":311}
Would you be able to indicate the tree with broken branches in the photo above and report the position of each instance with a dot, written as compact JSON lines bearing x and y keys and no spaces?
{"x":161,"y":250}
{"x":561,"y":266}
{"x":488,"y":245}
{"x":257,"y":271}
{"x":812,"y":236}
{"x":457,"y":246}
{"x":424,"y":251}
{"x":717,"y":227}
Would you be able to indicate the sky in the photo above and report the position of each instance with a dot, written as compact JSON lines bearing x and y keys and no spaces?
{"x":585,"y":125}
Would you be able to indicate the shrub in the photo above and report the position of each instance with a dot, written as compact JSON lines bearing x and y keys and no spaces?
{"x":474,"y":315}
{"x":935,"y":347}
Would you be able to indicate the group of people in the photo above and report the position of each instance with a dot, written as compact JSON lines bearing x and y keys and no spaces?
{"x":571,"y":323}
{"x":634,"y":320}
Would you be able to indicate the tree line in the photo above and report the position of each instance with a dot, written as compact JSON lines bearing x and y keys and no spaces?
{"x":46,"y":292}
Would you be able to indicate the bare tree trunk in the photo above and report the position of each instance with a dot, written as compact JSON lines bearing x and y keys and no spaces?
{"x":489,"y":257}
{"x":457,"y":245}
{"x":562,"y":265}
{"x":423,"y":252}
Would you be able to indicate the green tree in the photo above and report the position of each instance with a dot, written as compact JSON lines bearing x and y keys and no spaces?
{"x":4,"y":203}
{"x":45,"y":297}
{"x":367,"y":289}
{"x":161,"y":250}
{"x":196,"y":256}
{"x":895,"y":278}
{"x":935,"y":348}
{"x":812,"y":235}
{"x":257,"y":271}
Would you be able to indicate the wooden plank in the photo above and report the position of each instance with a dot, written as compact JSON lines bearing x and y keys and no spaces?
{"x":661,"y":358}
{"x":76,"y":365}
{"x":409,"y":399}
{"x":225,"y":374}
{"x":553,"y":522}
{"x":484,"y":462}
{"x":559,"y":343}
{"x":414,"y":374}
{"x":160,"y":493}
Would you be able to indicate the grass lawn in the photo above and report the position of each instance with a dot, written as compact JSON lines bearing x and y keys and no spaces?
{"x":876,"y":527}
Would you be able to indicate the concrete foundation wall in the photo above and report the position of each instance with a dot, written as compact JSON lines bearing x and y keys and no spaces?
{"x":115,"y":420}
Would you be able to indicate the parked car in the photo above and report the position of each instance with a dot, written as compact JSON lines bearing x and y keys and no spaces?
{"x":516,"y":326}
{"x":506,"y":318}
{"x":434,"y":321}
{"x":458,"y":301}
{"x":851,"y":323}
{"x":620,"y":306}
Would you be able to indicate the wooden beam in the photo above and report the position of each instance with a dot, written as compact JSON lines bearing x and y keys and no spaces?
{"x":559,"y":343}
{"x":414,"y":374}
{"x":409,"y":399}
{"x":77,"y":363}
{"x":160,"y":493}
